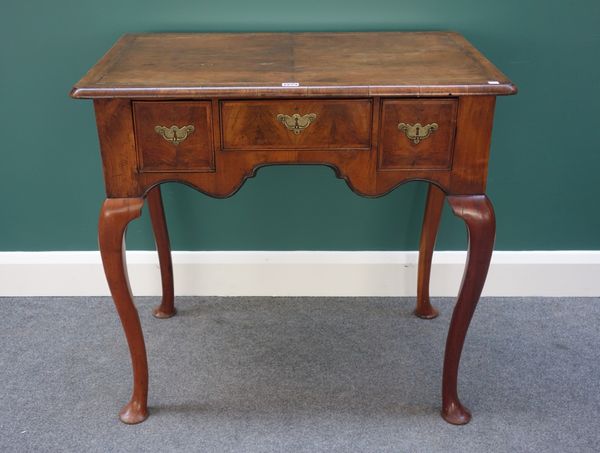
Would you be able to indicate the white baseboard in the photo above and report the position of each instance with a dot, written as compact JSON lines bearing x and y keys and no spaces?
{"x":301,"y":273}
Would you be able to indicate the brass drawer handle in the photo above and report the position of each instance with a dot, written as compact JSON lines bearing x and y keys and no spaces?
{"x":296,"y":123}
{"x":174,"y":134}
{"x":417,"y":132}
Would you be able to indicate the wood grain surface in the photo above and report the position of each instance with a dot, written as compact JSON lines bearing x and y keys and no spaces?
{"x":292,"y":64}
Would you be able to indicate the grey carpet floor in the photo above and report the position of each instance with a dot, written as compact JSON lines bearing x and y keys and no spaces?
{"x":300,"y":375}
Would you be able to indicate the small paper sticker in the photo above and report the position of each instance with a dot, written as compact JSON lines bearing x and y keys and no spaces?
{"x":493,"y":82}
{"x":290,"y":84}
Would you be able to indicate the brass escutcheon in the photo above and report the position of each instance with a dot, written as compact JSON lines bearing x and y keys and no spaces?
{"x":296,"y":123}
{"x":174,"y":134}
{"x":417,"y":132}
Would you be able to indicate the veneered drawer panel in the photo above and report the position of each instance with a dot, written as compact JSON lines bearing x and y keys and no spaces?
{"x":174,"y":136}
{"x":296,"y":124}
{"x":417,"y":134}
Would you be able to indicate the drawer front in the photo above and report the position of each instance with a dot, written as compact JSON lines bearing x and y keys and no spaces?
{"x":417,"y":134}
{"x":174,"y":136}
{"x":296,"y":124}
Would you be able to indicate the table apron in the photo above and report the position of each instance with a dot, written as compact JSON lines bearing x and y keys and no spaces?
{"x":372,"y":143}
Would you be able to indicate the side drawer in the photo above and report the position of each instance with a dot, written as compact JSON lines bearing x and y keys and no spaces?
{"x":296,"y":124}
{"x":417,"y":134}
{"x":174,"y":136}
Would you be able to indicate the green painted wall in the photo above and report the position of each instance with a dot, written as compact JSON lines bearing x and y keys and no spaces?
{"x":545,"y":152}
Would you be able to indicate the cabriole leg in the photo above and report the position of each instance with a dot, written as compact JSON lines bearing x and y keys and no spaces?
{"x":115,"y":215}
{"x":431,"y":222}
{"x":478,"y":214}
{"x":166,"y":309}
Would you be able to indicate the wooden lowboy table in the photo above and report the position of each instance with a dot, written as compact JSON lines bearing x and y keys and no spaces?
{"x":380,"y":108}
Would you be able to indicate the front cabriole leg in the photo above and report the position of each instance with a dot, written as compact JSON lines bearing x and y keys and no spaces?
{"x":478,"y":214}
{"x":115,"y":215}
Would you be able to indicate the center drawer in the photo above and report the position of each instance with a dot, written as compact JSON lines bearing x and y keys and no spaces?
{"x":296,"y":124}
